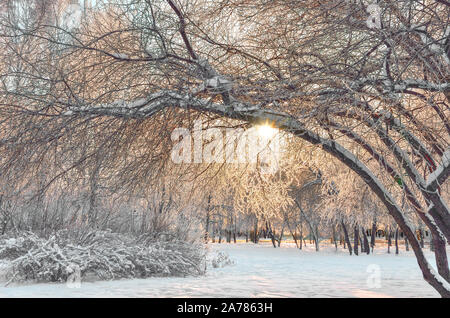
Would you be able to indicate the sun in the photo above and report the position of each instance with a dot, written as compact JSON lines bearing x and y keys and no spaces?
{"x":266,"y":131}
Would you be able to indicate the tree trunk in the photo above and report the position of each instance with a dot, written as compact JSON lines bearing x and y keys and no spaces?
{"x":441,"y":257}
{"x":229,"y":227}
{"x":366,"y":242}
{"x":422,"y":241}
{"x":312,"y":233}
{"x":389,"y":241}
{"x":384,"y":196}
{"x":396,"y":241}
{"x":347,"y":239}
{"x":272,"y":238}
{"x":316,"y":238}
{"x":281,"y":236}
{"x":301,"y":232}
{"x":294,"y":236}
{"x":292,"y":233}
{"x":334,"y":237}
{"x":255,"y":232}
{"x":234,"y":231}
{"x":373,"y":236}
{"x":207,"y":220}
{"x":271,"y":234}
{"x":356,"y":240}
{"x":432,"y":243}
{"x":438,"y":245}
{"x":406,"y":244}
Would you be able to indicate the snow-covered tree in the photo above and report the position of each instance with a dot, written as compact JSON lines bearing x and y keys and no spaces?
{"x":374,"y":96}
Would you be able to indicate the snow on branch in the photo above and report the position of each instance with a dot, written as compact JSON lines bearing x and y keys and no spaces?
{"x":435,"y":46}
{"x":400,"y":85}
{"x":153,"y":103}
{"x":139,"y":108}
{"x":440,"y":174}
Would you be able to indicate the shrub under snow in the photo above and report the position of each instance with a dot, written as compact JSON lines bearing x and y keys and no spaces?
{"x":100,"y":254}
{"x":221,"y":259}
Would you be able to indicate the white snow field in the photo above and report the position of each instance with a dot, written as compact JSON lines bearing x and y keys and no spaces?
{"x":263,"y":271}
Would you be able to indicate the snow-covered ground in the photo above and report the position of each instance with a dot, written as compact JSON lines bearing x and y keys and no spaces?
{"x":262,"y":271}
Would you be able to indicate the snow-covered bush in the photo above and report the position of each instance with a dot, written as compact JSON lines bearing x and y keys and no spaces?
{"x":13,"y":247}
{"x":221,"y":259}
{"x":99,"y":254}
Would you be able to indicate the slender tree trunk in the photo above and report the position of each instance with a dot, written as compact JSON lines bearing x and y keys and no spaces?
{"x":294,"y":236}
{"x":229,"y":227}
{"x":366,"y":242}
{"x":93,"y":208}
{"x":272,"y":238}
{"x":389,"y":241}
{"x":301,"y":231}
{"x":347,"y":239}
{"x":312,"y":233}
{"x":334,"y":237}
{"x":207,"y":220}
{"x":234,"y":231}
{"x":220,"y":230}
{"x":255,"y":232}
{"x":356,"y":240}
{"x":271,"y":234}
{"x":406,"y":244}
{"x":373,"y":236}
{"x":422,"y":241}
{"x":316,"y":238}
{"x":281,"y":236}
{"x":396,"y":241}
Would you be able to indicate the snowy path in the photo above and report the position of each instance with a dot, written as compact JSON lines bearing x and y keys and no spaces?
{"x":262,"y":271}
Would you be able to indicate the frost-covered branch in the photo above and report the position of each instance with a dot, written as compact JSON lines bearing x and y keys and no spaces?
{"x":438,"y":176}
